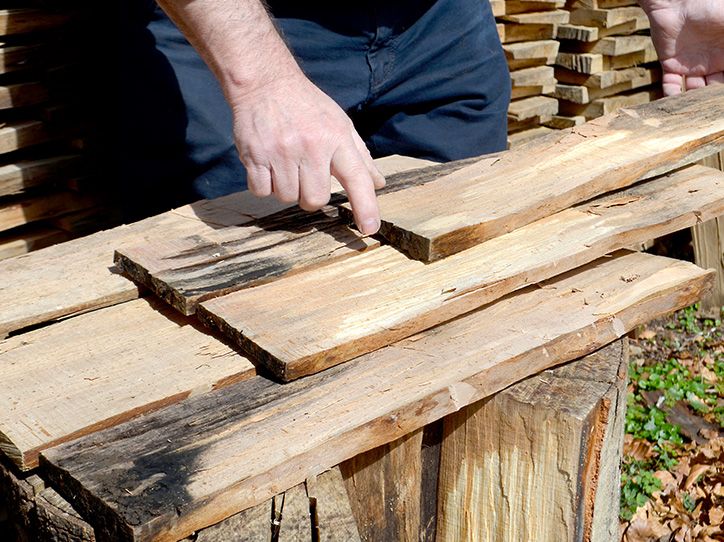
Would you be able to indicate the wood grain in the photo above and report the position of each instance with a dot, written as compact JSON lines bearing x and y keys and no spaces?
{"x":611,"y":104}
{"x":539,"y":460}
{"x":26,"y":174}
{"x":21,"y":20}
{"x":169,"y":473}
{"x":469,"y":206}
{"x":355,"y":306}
{"x":530,"y":53}
{"x":384,"y":487}
{"x":189,"y":270}
{"x":24,"y":210}
{"x":102,"y":368}
{"x":78,"y":276}
{"x":608,"y":79}
{"x":708,"y":241}
{"x":583,"y":32}
{"x":606,"y":18}
{"x":581,"y":94}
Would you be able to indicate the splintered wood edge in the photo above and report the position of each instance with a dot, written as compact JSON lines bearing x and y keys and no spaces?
{"x":393,"y":425}
{"x":407,"y":419}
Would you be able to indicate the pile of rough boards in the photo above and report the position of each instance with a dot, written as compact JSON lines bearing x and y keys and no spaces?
{"x":489,"y":270}
{"x":603,"y":57}
{"x":45,"y":191}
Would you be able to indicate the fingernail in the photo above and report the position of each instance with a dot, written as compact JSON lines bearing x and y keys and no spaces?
{"x":370,"y":226}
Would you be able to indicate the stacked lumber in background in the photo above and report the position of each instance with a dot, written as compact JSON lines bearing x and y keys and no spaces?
{"x":527,"y":30}
{"x":48,"y":192}
{"x":154,"y":428}
{"x":606,"y":60}
{"x":591,"y":56}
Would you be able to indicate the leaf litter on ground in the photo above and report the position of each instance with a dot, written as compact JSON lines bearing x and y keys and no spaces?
{"x":672,"y":479}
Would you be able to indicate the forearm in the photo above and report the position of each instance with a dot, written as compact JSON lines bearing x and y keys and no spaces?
{"x":238,"y":41}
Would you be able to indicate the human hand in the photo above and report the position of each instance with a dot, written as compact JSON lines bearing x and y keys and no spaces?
{"x":292,"y":137}
{"x":689,"y":39}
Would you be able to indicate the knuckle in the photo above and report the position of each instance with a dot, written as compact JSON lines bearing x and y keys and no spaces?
{"x":314,"y":202}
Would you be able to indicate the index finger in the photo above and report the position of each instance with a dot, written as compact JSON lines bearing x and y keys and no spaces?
{"x":349,"y":168}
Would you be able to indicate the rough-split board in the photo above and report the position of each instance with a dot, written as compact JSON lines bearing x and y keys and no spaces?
{"x":552,"y":173}
{"x":307,"y":322}
{"x":167,"y":474}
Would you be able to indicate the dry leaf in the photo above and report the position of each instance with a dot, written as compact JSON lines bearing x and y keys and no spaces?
{"x":694,"y":473}
{"x":641,"y":530}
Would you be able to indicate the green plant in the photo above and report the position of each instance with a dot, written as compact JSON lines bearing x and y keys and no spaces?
{"x":638,"y":483}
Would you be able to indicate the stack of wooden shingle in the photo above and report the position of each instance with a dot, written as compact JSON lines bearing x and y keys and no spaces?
{"x":527,"y":30}
{"x":45,"y":196}
{"x":606,"y":60}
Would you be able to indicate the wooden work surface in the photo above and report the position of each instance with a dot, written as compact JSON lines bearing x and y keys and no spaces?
{"x":215,"y":438}
{"x":167,"y":474}
{"x":553,"y":172}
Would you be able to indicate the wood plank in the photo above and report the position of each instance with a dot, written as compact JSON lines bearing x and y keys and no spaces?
{"x":607,"y":79}
{"x":100,"y":369}
{"x":22,"y":20}
{"x":22,"y":95}
{"x":536,"y":106}
{"x":592,"y":33}
{"x":603,"y":4}
{"x":202,"y":460}
{"x":572,"y":165}
{"x":24,"y":240}
{"x":592,"y":63}
{"x":534,"y":82}
{"x":22,"y":134}
{"x":37,"y":512}
{"x":19,"y":211}
{"x":521,"y":138}
{"x":539,"y":460}
{"x":498,"y":7}
{"x":580,"y":62}
{"x":530,"y":53}
{"x":57,"y":520}
{"x":14,"y":58}
{"x":319,"y":505}
{"x":559,"y":16}
{"x":512,"y":32}
{"x":526,"y":6}
{"x":78,"y":276}
{"x":583,"y":95}
{"x":611,"y":46}
{"x":26,"y":174}
{"x":384,"y":487}
{"x":364,"y":303}
{"x":517,"y":127}
{"x":609,"y":105}
{"x":605,"y":18}
{"x":708,"y":240}
{"x":187,"y":271}
{"x":331,"y":504}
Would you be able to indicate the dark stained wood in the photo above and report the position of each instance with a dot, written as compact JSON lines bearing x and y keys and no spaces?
{"x":200,"y":461}
{"x":431,"y":448}
{"x":361,"y":304}
{"x":552,"y":173}
{"x":187,"y":271}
